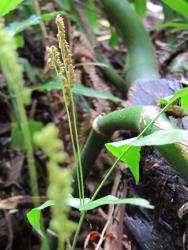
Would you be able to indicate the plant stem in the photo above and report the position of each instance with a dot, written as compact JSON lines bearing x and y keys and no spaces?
{"x":78,"y":151}
{"x":78,"y":230}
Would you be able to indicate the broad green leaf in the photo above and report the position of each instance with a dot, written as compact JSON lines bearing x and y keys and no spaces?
{"x":17,"y":135}
{"x":110,"y":199}
{"x":79,"y":89}
{"x":132,"y":156}
{"x":179,"y":94}
{"x":18,"y":26}
{"x":34,"y":216}
{"x":157,"y":138}
{"x":174,"y":25}
{"x":8,"y":5}
{"x":184,"y":102}
{"x":180,"y":6}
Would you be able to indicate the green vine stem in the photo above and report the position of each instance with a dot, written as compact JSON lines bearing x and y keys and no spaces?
{"x":134,"y":119}
{"x":140,"y":62}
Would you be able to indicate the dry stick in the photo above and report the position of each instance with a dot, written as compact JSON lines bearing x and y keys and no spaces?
{"x":42,"y":25}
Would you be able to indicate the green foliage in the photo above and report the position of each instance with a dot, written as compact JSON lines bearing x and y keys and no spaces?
{"x":68,"y":5}
{"x":91,"y":14}
{"x":132,"y":157}
{"x":19,"y":26}
{"x":110,"y":199}
{"x":121,"y":149}
{"x":17,"y":135}
{"x":180,"y":6}
{"x":184,"y":102}
{"x":34,"y":217}
{"x":79,"y":89}
{"x":181,"y":94}
{"x":8,"y":5}
{"x":175,"y":25}
{"x":175,"y":15}
{"x":140,"y":7}
{"x":113,"y":42}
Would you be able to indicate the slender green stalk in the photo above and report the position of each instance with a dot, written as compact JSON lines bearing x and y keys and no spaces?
{"x":71,"y":131}
{"x":140,"y":62}
{"x":78,"y":230}
{"x":13,"y":74}
{"x":69,"y":74}
{"x":78,"y":150}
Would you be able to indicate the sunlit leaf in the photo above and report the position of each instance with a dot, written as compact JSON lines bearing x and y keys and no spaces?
{"x":161,"y":137}
{"x":8,"y":5}
{"x":179,"y":94}
{"x":180,"y":6}
{"x":184,"y":102}
{"x":109,"y":199}
{"x":34,"y":216}
{"x":131,"y":157}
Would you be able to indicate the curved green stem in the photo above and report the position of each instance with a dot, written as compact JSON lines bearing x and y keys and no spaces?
{"x":136,"y":119}
{"x":141,"y":63}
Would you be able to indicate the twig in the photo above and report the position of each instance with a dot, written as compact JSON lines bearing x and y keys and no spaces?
{"x":42,"y":25}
